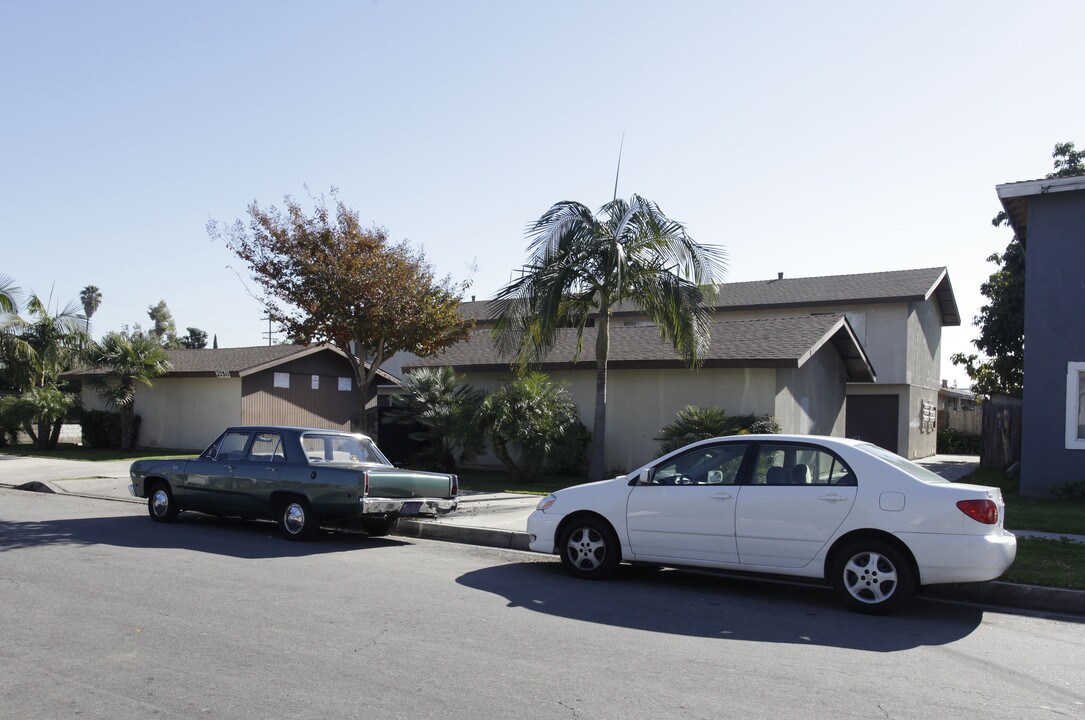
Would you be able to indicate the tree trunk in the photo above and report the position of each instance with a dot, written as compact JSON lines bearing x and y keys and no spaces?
{"x":54,"y":437}
{"x":29,"y":428}
{"x":597,"y":467}
{"x":127,"y":411}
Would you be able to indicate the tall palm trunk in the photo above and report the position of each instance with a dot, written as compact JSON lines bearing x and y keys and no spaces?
{"x":127,"y":413}
{"x":599,"y":428}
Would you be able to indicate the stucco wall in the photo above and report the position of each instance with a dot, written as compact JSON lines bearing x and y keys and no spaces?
{"x":640,"y":402}
{"x":187,"y":412}
{"x":810,"y":399}
{"x":1055,"y":328}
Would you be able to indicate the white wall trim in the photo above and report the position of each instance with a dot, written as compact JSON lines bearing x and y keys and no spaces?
{"x":1074,"y":389}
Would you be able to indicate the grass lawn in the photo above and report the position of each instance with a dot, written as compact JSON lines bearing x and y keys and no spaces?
{"x":71,"y":451}
{"x":1054,"y":563}
{"x":1027,"y":513}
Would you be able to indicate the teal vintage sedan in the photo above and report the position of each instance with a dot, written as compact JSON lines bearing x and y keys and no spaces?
{"x":300,"y":477}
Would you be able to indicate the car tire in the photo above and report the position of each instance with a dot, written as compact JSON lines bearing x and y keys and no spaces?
{"x":873,"y":577}
{"x":297,"y":521}
{"x":589,"y":548}
{"x":160,"y":503}
{"x":379,"y":527}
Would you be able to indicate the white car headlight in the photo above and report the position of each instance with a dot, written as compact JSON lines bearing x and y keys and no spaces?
{"x":547,"y":502}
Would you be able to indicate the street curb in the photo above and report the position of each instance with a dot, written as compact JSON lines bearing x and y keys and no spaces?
{"x":42,"y":486}
{"x":1029,"y":597}
{"x":50,"y":488}
{"x":487,"y":537}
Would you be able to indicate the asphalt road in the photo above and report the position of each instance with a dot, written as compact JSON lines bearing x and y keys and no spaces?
{"x":105,"y":614}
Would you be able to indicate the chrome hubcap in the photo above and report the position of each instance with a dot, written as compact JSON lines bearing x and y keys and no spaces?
{"x":294,"y":518}
{"x":870,"y":577}
{"x":586,"y":549}
{"x":160,"y":502}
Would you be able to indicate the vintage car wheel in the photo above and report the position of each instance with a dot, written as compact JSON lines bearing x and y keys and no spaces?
{"x":160,"y":504}
{"x":297,"y":521}
{"x":873,"y":577}
{"x":378,"y":527}
{"x":589,"y":548}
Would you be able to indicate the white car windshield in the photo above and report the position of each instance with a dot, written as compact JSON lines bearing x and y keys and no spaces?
{"x":917,"y":471}
{"x":334,"y":448}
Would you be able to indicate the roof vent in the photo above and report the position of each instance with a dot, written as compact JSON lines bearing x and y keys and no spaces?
{"x":779,"y":276}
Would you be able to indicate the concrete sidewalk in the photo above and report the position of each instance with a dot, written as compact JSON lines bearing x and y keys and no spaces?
{"x":500,"y":520}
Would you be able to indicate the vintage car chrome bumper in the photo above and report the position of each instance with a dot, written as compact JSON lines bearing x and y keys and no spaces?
{"x":406,"y":507}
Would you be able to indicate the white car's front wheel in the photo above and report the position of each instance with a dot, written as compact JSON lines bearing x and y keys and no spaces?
{"x":872,"y":577}
{"x":589,"y":548}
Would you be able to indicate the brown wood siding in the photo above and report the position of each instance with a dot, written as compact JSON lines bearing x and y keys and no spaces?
{"x":327,"y":406}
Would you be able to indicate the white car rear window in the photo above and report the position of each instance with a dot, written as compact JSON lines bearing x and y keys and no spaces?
{"x":917,"y":471}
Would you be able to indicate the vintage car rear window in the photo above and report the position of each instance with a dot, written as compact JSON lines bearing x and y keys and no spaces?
{"x":330,"y":448}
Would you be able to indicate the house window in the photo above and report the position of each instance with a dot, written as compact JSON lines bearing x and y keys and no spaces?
{"x":1075,"y":406}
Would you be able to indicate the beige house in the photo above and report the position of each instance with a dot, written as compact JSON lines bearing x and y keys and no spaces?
{"x":763,"y":343}
{"x":208,"y":390}
{"x":794,"y":368}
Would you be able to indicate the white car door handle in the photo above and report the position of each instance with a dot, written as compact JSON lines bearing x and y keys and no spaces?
{"x":722,"y":496}
{"x":832,"y":498}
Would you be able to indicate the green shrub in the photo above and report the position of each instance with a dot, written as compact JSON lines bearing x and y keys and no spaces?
{"x":440,"y":408}
{"x":955,"y":442}
{"x":697,"y":423}
{"x":102,"y":429}
{"x":1070,"y":490}
{"x":532,"y":423}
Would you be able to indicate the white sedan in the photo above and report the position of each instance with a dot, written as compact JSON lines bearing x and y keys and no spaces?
{"x":871,"y":523}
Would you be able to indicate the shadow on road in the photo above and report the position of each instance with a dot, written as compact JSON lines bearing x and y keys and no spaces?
{"x":247,"y":539}
{"x":728,"y":608}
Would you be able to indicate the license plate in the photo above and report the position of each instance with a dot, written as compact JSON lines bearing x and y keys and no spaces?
{"x":410,"y":508}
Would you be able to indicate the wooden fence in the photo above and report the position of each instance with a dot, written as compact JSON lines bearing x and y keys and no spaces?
{"x":1001,"y":432}
{"x":966,"y":421}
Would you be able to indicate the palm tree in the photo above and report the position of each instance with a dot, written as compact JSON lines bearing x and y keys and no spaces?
{"x":442,"y":409}
{"x":34,"y":349}
{"x":583,"y":265}
{"x":9,"y":295}
{"x":91,"y":297}
{"x":127,"y":360}
{"x":38,"y":346}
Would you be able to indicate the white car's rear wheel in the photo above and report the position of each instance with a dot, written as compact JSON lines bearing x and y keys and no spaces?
{"x":873,"y":577}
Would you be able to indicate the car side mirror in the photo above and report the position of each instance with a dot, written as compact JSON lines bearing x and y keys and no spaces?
{"x":645,"y":477}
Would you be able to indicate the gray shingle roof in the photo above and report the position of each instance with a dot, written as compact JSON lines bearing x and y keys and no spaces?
{"x":768,"y":342}
{"x":234,"y":360}
{"x":239,"y":361}
{"x":864,"y":288}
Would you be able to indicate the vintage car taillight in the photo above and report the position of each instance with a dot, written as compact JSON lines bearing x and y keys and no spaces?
{"x":455,"y":485}
{"x":983,"y":511}
{"x":365,"y":484}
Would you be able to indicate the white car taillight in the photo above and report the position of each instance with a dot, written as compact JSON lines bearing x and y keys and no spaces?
{"x":982,"y":511}
{"x":455,"y":488}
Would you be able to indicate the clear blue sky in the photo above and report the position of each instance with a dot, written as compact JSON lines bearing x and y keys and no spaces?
{"x":806,"y":138}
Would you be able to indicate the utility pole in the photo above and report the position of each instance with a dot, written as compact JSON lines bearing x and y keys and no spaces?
{"x":270,"y":332}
